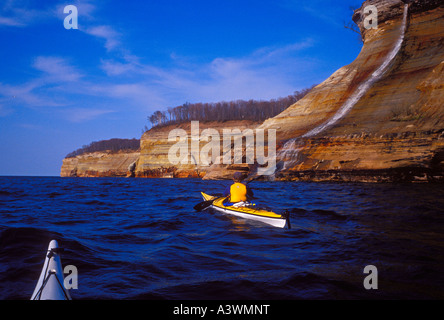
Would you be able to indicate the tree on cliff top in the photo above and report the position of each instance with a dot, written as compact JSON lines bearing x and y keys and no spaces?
{"x":112,"y":145}
{"x":223,"y":111}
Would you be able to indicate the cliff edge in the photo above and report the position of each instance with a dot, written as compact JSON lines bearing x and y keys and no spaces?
{"x":100,"y":164}
{"x":155,"y":146}
{"x":380,"y":118}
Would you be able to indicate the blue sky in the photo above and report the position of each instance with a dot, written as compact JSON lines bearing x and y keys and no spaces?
{"x":61,"y":89}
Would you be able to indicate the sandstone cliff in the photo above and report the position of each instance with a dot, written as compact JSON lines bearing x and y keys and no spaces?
{"x":380,"y":118}
{"x":152,"y":161}
{"x":155,"y":145}
{"x":386,"y":128}
{"x":100,"y":164}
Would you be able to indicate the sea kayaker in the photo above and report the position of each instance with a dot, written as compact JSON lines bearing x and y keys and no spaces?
{"x":238,"y":191}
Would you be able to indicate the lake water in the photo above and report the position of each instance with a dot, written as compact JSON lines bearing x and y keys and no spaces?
{"x":141,"y":239}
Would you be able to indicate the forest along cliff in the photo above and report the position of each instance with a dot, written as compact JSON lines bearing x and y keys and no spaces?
{"x":107,"y":158}
{"x":150,"y":158}
{"x":100,"y":164}
{"x":380,"y":118}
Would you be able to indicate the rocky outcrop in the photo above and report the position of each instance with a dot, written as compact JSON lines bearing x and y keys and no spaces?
{"x":155,"y":146}
{"x":152,"y":160}
{"x":395,"y":127}
{"x":380,"y":118}
{"x":407,"y":156}
{"x":100,"y":164}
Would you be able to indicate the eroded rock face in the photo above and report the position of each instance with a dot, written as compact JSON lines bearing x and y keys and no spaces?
{"x":398,"y":122}
{"x":100,"y":164}
{"x":155,"y":146}
{"x":394,"y":131}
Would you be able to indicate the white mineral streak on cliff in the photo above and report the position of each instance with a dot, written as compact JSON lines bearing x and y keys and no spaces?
{"x":291,"y":148}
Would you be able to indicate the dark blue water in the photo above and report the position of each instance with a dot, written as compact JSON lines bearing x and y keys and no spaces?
{"x":141,"y":239}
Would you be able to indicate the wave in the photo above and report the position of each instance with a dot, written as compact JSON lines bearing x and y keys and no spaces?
{"x":18,"y":193}
{"x":22,"y":237}
{"x":318,"y":212}
{"x":330,"y":214}
{"x":95,"y":202}
{"x":313,"y":286}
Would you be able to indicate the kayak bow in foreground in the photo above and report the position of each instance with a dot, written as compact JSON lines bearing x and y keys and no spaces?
{"x":50,"y":285}
{"x":248,"y":212}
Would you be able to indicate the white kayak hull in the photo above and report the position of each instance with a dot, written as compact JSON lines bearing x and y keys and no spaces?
{"x":50,"y":285}
{"x":247,"y":212}
{"x":275,"y":222}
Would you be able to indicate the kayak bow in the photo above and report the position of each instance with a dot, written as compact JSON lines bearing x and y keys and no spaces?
{"x":50,"y":285}
{"x":247,"y":211}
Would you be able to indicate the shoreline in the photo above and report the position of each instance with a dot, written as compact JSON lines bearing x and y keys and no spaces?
{"x":390,"y":175}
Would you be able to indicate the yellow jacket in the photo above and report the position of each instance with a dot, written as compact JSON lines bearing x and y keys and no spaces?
{"x":238,"y":192}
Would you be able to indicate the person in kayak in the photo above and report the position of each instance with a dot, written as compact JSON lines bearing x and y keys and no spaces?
{"x":238,"y":191}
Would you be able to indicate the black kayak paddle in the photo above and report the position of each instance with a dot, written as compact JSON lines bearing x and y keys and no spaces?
{"x":286,"y":215}
{"x":203,"y":205}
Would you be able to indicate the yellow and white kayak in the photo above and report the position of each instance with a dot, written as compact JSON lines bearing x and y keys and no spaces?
{"x":247,"y":211}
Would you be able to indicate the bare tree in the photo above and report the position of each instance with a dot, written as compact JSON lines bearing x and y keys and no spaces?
{"x":222,"y":111}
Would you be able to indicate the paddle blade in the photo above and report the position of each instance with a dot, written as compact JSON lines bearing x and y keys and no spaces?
{"x":287,"y":218}
{"x":203,"y":205}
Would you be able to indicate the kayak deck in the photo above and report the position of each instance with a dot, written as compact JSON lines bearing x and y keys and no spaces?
{"x":50,"y":285}
{"x":247,"y":212}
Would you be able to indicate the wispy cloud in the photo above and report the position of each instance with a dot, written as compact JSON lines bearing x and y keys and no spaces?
{"x":25,"y":95}
{"x":56,"y":69}
{"x":129,"y":84}
{"x":130,"y":96}
{"x":264,"y":73}
{"x":106,"y":33}
{"x":86,"y":9}
{"x":84,"y":114}
{"x":17,"y":13}
{"x":11,"y":22}
{"x":42,"y":91}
